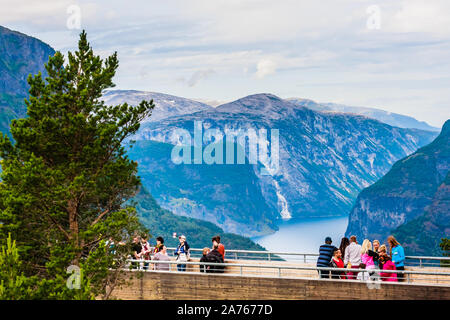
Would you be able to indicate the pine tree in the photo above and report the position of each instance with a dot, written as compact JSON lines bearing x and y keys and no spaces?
{"x":66,"y":177}
{"x":13,"y":284}
{"x":445,"y":247}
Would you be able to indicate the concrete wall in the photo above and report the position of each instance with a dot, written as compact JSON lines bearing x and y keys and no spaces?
{"x":183,"y":286}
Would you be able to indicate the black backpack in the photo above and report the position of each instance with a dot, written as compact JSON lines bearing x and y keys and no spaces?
{"x":215,"y":257}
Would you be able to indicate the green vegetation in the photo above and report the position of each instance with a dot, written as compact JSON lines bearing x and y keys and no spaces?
{"x":230,"y":193}
{"x":445,"y":247}
{"x":66,"y":181}
{"x":423,"y":235}
{"x":416,"y":239}
{"x":164,"y":223}
{"x":412,"y":201}
{"x":416,"y":168}
{"x":13,"y":284}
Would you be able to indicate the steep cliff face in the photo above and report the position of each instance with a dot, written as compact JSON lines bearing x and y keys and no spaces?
{"x":227,"y":195}
{"x":422,"y":235}
{"x":325,"y":159}
{"x":20,"y":55}
{"x":405,"y":192}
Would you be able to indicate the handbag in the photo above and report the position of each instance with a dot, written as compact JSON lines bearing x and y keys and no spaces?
{"x":182,"y":257}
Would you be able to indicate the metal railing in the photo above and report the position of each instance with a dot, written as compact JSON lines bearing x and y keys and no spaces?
{"x":412,"y":261}
{"x":373,"y":276}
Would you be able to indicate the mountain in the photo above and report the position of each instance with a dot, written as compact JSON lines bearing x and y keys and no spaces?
{"x":165,"y":105}
{"x":393,"y":119}
{"x":412,"y":196}
{"x":227,"y":195}
{"x":20,"y":55}
{"x":325,"y":160}
{"x":422,"y":235}
{"x":164,"y":223}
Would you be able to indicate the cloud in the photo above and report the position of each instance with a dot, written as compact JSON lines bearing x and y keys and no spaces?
{"x":422,"y":16}
{"x":264,"y":68}
{"x":197,"y":76}
{"x":317,"y":49}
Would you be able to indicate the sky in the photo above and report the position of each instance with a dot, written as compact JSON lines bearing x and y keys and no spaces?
{"x":388,"y":54}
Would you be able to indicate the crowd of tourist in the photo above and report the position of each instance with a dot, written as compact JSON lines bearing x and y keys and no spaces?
{"x":142,"y":255}
{"x":370,"y":256}
{"x":373,"y":257}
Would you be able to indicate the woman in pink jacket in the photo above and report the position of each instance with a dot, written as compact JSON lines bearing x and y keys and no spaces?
{"x":387,"y":265}
{"x":366,"y":259}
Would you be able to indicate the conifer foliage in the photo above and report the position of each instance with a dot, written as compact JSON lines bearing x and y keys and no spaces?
{"x":66,"y":178}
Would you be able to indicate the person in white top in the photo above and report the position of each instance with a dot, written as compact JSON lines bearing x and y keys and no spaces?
{"x":352,"y":257}
{"x":162,"y":256}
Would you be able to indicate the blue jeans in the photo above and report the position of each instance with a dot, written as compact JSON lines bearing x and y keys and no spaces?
{"x":181,"y":267}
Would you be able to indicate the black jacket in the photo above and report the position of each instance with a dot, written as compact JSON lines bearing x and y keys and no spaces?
{"x":376,"y":257}
{"x":214,"y":257}
{"x":203,"y":268}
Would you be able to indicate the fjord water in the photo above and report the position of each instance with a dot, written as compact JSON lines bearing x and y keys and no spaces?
{"x":304,"y":235}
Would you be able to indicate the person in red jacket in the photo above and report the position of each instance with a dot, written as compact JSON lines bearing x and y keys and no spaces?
{"x":387,"y":265}
{"x":336,"y":262}
{"x":220,"y":247}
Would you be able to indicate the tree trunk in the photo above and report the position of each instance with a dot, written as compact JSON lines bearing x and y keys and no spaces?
{"x":73,"y":226}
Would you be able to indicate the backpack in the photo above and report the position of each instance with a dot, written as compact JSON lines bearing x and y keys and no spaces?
{"x":215,"y":257}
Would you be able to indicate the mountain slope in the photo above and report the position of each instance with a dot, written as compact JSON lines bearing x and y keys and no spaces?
{"x":404,"y":193}
{"x":20,"y":55}
{"x":164,"y":223}
{"x":227,"y":195}
{"x":393,"y":119}
{"x":326,"y":159}
{"x":422,"y":235}
{"x":165,"y":105}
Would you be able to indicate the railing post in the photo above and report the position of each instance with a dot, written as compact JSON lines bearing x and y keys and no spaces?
{"x":241,"y":270}
{"x":304,"y":258}
{"x":279,"y":272}
{"x":235,"y":256}
{"x":269,"y":256}
{"x":420,"y":262}
{"x":407,"y":278}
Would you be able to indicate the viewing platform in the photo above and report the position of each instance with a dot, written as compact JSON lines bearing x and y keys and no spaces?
{"x":264,"y":275}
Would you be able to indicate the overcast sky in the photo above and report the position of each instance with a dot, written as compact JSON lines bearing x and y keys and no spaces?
{"x":389,"y":54}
